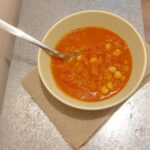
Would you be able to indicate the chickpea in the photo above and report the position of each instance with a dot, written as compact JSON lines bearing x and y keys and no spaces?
{"x":117,"y":74}
{"x":94,"y":60}
{"x":79,"y":57}
{"x":108,"y":46}
{"x":117,"y":52}
{"x":110,"y":85}
{"x":112,"y":69}
{"x":104,"y":90}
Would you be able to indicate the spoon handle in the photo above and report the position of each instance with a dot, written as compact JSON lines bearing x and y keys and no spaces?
{"x":15,"y":31}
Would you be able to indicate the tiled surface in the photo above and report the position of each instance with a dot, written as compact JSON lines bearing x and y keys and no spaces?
{"x":23,"y":125}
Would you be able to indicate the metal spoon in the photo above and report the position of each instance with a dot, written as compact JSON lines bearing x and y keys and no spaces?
{"x":15,"y":31}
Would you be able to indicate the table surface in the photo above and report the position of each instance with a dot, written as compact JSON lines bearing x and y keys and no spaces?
{"x":24,"y":126}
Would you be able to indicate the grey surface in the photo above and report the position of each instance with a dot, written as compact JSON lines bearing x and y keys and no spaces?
{"x":23,"y":125}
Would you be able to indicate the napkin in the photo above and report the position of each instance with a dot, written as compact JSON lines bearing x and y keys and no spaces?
{"x":76,"y":126}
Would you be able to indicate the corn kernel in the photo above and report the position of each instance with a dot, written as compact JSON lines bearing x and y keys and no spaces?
{"x":112,"y":69}
{"x":104,"y":90}
{"x":117,"y":74}
{"x":116,"y":43}
{"x":110,"y":85}
{"x":108,"y":46}
{"x":117,"y":52}
{"x":94,"y":60}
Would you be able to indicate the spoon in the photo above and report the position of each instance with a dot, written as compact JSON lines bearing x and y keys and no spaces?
{"x":19,"y":33}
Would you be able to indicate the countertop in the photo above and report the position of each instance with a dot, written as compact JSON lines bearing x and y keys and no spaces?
{"x":24,"y":126}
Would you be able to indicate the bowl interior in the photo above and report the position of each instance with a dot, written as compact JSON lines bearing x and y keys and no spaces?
{"x":97,"y":19}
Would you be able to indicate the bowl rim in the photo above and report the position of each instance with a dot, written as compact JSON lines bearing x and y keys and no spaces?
{"x":110,"y":104}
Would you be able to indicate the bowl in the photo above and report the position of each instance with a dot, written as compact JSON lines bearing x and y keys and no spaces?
{"x":102,"y":19}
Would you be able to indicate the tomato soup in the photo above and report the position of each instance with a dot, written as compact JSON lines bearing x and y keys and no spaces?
{"x":100,"y":70}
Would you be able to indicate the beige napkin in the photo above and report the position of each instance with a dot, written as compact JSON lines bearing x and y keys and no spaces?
{"x":76,"y":126}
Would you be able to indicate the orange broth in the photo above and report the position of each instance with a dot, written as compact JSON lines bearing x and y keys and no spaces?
{"x":101,"y":69}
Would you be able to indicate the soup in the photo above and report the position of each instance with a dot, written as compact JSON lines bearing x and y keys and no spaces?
{"x":100,"y":70}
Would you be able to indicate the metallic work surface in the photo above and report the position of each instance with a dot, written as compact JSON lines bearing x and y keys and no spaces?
{"x":24,"y":126}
